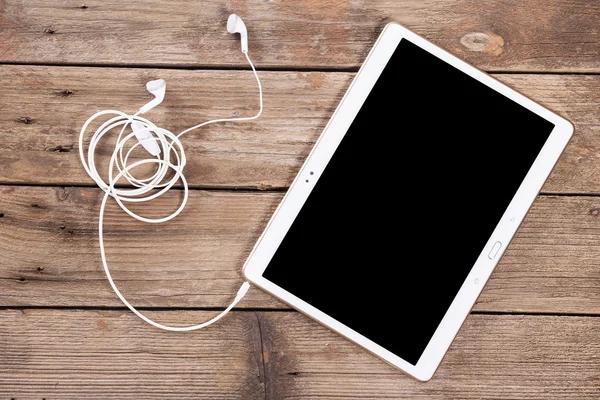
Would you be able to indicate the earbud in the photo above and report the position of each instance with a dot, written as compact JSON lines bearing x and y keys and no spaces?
{"x":158,"y":89}
{"x":236,"y":25}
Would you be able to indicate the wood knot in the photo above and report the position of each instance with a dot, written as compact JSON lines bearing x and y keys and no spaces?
{"x":1,"y":215}
{"x":62,"y":193}
{"x":487,"y":42}
{"x":83,"y":7}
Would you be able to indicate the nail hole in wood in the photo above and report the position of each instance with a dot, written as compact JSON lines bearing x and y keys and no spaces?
{"x":25,"y":120}
{"x":61,"y":149}
{"x":65,"y":93}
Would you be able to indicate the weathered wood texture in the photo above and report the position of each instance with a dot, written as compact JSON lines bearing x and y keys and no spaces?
{"x":70,"y":354}
{"x":42,"y":110}
{"x":526,"y":35}
{"x":49,"y":252}
{"x":493,"y":357}
{"x":73,"y":354}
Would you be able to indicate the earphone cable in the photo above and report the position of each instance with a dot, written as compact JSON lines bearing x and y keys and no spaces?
{"x":169,"y":143}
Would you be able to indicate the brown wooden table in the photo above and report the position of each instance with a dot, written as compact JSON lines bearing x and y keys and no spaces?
{"x":534,"y":333}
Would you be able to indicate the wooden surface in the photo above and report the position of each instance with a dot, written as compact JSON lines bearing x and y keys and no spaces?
{"x":515,"y":35}
{"x":258,"y":355}
{"x":79,"y":354}
{"x":533,"y":334}
{"x":544,"y":270}
{"x":262,"y":154}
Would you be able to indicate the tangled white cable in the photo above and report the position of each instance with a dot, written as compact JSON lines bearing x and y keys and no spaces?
{"x":165,"y":147}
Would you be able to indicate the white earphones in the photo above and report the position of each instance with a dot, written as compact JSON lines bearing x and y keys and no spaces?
{"x":236,"y":25}
{"x":158,"y":88}
{"x":167,"y":153}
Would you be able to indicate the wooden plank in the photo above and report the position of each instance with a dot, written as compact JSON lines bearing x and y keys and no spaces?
{"x":554,"y":35}
{"x":43,"y":108}
{"x":56,"y":354}
{"x":493,"y":357}
{"x":49,"y":253}
{"x":73,"y":354}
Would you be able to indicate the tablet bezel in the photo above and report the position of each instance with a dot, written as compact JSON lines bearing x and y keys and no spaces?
{"x":322,"y":152}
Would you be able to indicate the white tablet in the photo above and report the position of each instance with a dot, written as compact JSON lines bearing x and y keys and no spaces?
{"x":407,"y":201}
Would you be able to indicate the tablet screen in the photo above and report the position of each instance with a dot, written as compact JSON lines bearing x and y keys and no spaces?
{"x":408,"y":201}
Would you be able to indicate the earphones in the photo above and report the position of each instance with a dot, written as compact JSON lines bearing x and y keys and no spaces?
{"x":167,"y":153}
{"x":158,"y":88}
{"x":236,"y":25}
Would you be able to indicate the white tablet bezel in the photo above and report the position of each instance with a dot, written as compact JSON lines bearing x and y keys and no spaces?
{"x":322,"y":152}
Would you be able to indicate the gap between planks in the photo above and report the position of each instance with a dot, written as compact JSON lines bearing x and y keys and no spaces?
{"x":239,"y":189}
{"x":264,"y":69}
{"x":271,"y":310}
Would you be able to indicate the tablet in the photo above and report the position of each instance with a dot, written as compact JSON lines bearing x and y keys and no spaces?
{"x":407,"y":201}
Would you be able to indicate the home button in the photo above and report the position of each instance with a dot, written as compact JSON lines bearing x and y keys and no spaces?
{"x":495,"y":250}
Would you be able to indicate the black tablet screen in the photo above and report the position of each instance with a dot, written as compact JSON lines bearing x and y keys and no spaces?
{"x":408,"y":201}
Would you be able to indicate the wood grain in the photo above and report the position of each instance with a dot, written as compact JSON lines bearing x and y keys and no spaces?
{"x":43,"y":108}
{"x":526,"y":35}
{"x":49,"y":253}
{"x":493,"y":356}
{"x":73,"y":354}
